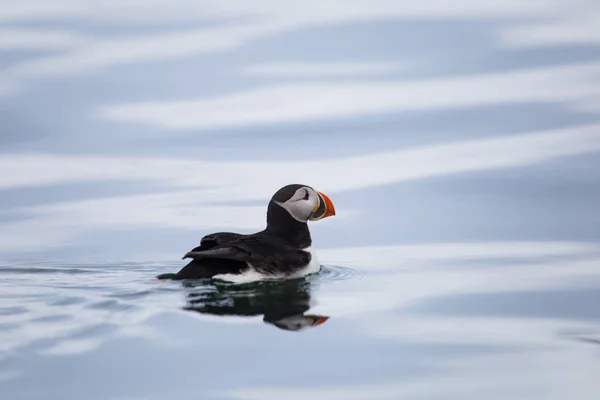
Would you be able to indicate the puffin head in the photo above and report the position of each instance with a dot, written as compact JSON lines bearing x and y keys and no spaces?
{"x":303,"y":203}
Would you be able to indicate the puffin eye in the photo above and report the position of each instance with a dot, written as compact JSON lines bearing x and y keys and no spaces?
{"x":306,"y":195}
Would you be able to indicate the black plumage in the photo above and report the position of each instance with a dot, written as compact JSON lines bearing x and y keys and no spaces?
{"x":276,"y":250}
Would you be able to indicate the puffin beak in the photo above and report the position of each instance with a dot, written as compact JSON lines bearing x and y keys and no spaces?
{"x":324,"y":208}
{"x":317,"y":320}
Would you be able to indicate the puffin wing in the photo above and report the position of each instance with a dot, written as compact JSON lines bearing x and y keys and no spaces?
{"x":225,"y":252}
{"x":214,"y":240}
{"x":271,"y":256}
{"x":214,"y":256}
{"x":267,"y":255}
{"x":218,"y":239}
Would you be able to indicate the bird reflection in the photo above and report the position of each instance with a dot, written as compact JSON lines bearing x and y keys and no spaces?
{"x":282,"y":304}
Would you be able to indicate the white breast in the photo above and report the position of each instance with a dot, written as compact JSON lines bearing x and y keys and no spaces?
{"x":313,"y":266}
{"x":251,"y":275}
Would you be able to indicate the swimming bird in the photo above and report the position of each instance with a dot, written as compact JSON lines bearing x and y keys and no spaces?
{"x":282,"y":250}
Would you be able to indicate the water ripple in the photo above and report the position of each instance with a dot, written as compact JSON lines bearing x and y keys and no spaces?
{"x":332,"y":273}
{"x":14,"y":310}
{"x":44,"y":270}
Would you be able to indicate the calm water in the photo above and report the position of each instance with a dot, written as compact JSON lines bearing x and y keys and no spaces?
{"x":458,"y":141}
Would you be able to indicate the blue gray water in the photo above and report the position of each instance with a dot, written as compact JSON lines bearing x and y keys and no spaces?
{"x":458,"y":141}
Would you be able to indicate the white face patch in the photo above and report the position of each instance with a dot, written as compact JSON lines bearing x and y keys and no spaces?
{"x":302,"y":204}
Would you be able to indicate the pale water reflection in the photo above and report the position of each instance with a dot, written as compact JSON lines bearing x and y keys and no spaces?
{"x":458,"y":140}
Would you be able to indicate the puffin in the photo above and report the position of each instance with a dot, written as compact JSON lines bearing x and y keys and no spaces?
{"x":282,"y":250}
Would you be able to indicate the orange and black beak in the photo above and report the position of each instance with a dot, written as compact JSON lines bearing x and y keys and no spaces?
{"x":316,"y":320}
{"x":323,"y":209}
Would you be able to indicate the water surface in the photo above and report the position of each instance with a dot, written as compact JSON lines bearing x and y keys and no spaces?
{"x":458,"y":142}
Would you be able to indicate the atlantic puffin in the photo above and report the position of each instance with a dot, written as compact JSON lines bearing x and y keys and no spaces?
{"x":280,"y":251}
